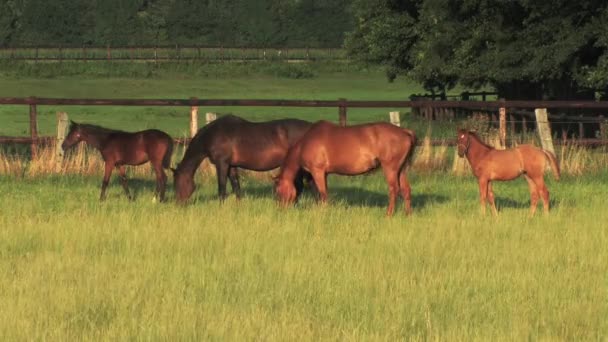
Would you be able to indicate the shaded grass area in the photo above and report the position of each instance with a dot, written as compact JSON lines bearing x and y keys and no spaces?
{"x":74,"y":268}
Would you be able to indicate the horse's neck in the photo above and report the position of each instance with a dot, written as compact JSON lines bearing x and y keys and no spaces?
{"x":477,"y":150}
{"x":97,"y":139}
{"x":192,"y":160}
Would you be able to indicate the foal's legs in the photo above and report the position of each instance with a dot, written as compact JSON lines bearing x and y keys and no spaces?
{"x":543,"y":192}
{"x":406,"y":191}
{"x":123,"y":180}
{"x":161,"y":180}
{"x":491,"y":199}
{"x":533,"y":194}
{"x":390,"y":173}
{"x":483,"y":192}
{"x":106,"y":179}
{"x":233,"y":175}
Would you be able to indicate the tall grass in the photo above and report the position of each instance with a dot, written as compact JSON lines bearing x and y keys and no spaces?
{"x":574,"y":160}
{"x":76,"y":269}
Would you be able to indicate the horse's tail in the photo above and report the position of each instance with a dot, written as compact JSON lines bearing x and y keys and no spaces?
{"x":553,"y":162}
{"x":168,"y":154}
{"x":414,"y":142}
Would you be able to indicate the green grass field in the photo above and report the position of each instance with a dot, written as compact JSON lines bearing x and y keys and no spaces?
{"x":73,"y":268}
{"x":211,"y":81}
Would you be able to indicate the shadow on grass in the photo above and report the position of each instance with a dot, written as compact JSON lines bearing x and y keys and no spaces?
{"x":348,"y":195}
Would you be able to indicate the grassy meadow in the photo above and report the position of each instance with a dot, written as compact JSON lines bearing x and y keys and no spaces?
{"x":73,"y":268}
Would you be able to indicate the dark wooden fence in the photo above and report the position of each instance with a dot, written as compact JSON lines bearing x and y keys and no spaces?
{"x":500,"y":106}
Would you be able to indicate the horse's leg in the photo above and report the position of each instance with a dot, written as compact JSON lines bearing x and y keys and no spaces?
{"x":533,"y":195}
{"x":483,"y":192}
{"x":406,"y":191}
{"x":543,"y":192}
{"x":491,"y":199}
{"x":390,"y":173}
{"x":320,"y":179}
{"x":221,"y":168}
{"x":233,"y":175}
{"x":106,"y":180}
{"x":161,"y":181}
{"x":123,"y":180}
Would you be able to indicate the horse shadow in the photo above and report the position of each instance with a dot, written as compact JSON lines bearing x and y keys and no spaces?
{"x":137,"y":187}
{"x":350,"y":196}
{"x":509,"y":203}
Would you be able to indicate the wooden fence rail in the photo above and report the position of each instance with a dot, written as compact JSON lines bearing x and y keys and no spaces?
{"x":501,"y":106}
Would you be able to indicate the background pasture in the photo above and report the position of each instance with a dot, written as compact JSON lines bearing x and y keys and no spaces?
{"x":73,"y":268}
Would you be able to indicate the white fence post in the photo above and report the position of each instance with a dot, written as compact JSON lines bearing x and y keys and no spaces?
{"x":62,"y":129}
{"x":210,"y":117}
{"x":395,"y":118}
{"x":544,"y":130}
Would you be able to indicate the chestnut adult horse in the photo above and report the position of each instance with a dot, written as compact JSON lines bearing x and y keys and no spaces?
{"x":490,"y":164}
{"x":352,"y":150}
{"x":120,"y":148}
{"x":230,"y":143}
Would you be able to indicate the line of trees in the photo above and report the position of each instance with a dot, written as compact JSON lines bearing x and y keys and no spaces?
{"x":312,"y":23}
{"x":524,"y":49}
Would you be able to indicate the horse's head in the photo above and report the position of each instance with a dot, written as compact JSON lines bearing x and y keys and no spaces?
{"x":285,"y":190}
{"x":184,"y":184}
{"x":75,"y":135}
{"x":464,"y":142}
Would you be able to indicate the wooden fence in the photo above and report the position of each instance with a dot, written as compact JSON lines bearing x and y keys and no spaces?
{"x":167,"y":53}
{"x":502,"y":107}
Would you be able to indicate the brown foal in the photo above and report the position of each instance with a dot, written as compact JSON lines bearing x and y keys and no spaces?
{"x":490,"y":164}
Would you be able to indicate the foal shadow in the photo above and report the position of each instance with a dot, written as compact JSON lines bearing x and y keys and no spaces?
{"x":137,"y":187}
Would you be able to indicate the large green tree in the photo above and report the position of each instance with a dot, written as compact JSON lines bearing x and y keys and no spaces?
{"x":525,"y":49}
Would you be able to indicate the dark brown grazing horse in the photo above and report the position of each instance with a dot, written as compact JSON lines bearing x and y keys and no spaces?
{"x":230,"y":143}
{"x":490,"y":164}
{"x":120,"y":148}
{"x":352,"y":150}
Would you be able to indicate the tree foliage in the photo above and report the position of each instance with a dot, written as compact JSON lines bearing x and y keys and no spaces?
{"x":301,"y":23}
{"x":524,"y":48}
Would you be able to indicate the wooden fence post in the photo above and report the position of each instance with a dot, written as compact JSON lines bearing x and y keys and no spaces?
{"x":62,"y":129}
{"x":210,"y":117}
{"x":193,"y":119}
{"x":34,"y":128}
{"x":581,"y":128}
{"x":544,"y":130}
{"x":342,"y":112}
{"x":395,"y":118}
{"x":502,"y":128}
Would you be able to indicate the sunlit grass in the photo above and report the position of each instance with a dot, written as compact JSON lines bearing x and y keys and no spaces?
{"x":74,"y":268}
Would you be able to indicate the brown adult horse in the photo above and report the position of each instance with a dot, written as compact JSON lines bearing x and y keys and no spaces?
{"x":231,"y":143}
{"x":352,"y":150}
{"x":120,"y":148}
{"x":490,"y":164}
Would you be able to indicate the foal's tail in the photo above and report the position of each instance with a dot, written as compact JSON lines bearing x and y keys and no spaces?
{"x":554,"y":164}
{"x":168,"y":154}
{"x":410,"y":153}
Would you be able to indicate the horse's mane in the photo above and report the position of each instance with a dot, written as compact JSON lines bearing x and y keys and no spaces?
{"x":476,"y":137}
{"x":95,"y":129}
